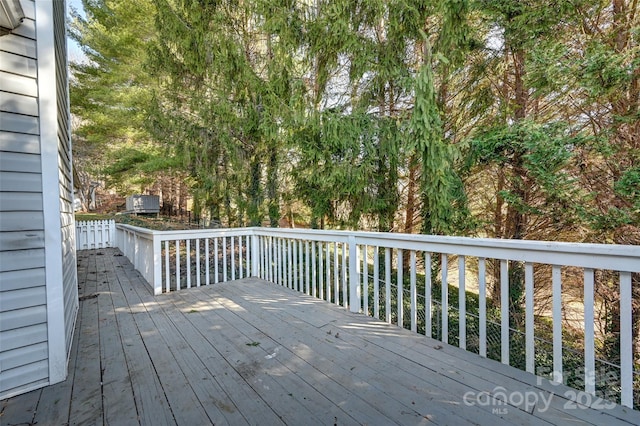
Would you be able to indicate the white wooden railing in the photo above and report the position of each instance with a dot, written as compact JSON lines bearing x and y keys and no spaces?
{"x":363,"y":271}
{"x":95,"y":234}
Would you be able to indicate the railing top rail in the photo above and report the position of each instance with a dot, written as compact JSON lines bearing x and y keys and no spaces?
{"x":587,"y":255}
{"x":603,"y":256}
{"x":187,"y":233}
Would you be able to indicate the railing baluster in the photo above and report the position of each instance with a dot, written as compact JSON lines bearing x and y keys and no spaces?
{"x":320,"y":270}
{"x":294,"y":255}
{"x":283,"y":259}
{"x":589,"y":340}
{"x":400,"y":288}
{"x":178,"y":284}
{"x":240,"y":268}
{"x":462,"y":303}
{"x":626,"y":340}
{"x":279,"y":260}
{"x":301,"y":263}
{"x":262,"y":258}
{"x":276,"y":260}
{"x":365,"y":280}
{"x":307,"y":262}
{"x":376,"y":282}
{"x":225,"y":277}
{"x":427,"y":295}
{"x":355,"y":294}
{"x":270,"y":259}
{"x":444,"y":273}
{"x":283,"y":263}
{"x":529,"y":325}
{"x":482,"y":305}
{"x":247,"y":256}
{"x":344,"y":276}
{"x":328,"y":271}
{"x":198,"y":262}
{"x":387,"y":285}
{"x":188,"y":262}
{"x":167,"y":277}
{"x":336,"y":279}
{"x":206,"y":259}
{"x":414,"y":292}
{"x":277,"y":256}
{"x":313,"y":269}
{"x":289,"y":265}
{"x":216,"y":277}
{"x":556,"y":282}
{"x":232,"y":253}
{"x":504,"y":311}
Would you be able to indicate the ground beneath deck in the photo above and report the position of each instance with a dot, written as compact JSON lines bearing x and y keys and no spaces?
{"x":250,"y":352}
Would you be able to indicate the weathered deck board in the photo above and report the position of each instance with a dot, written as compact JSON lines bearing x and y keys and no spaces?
{"x":249,"y":352}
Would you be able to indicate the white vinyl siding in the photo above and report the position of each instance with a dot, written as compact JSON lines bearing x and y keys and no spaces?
{"x":23,"y":327}
{"x":69,"y":274}
{"x":38,"y":284}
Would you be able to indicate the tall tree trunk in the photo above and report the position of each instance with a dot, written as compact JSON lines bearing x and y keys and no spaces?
{"x":272,"y":188}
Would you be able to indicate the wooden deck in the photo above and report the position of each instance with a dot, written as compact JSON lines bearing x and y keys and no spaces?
{"x":250,"y":352}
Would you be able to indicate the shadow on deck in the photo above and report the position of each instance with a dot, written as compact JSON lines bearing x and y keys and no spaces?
{"x":250,"y":352}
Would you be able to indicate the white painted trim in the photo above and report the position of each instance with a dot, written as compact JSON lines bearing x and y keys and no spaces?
{"x":47,"y":101}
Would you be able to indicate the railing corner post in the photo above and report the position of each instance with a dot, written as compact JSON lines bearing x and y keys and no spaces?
{"x":354,"y":276}
{"x":156,"y":257}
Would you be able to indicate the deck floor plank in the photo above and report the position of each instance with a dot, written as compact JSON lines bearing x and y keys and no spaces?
{"x":231,"y":390}
{"x":55,"y":400}
{"x":174,"y":383}
{"x":294,"y":400}
{"x":152,"y":405}
{"x":470,"y":370}
{"x":346,"y":360}
{"x":177,"y":363}
{"x":250,"y":352}
{"x":334,"y":381}
{"x":261,"y":332}
{"x":117,"y":390}
{"x":86,"y":394}
{"x":481,"y":374}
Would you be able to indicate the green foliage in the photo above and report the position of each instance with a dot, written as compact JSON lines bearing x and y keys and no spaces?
{"x":435,"y":154}
{"x":337,"y":172}
{"x":547,"y":152}
{"x":111,"y":94}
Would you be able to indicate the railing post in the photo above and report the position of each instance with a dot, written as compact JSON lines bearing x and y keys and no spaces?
{"x":626,"y":340}
{"x":112,"y":233}
{"x":255,"y":255}
{"x":354,"y":276}
{"x":157,"y":264}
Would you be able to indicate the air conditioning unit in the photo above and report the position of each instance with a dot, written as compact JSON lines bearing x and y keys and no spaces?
{"x":11,"y":16}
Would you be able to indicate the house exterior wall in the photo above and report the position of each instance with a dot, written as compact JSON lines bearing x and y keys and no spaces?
{"x":67,"y":223}
{"x":38,"y":284}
